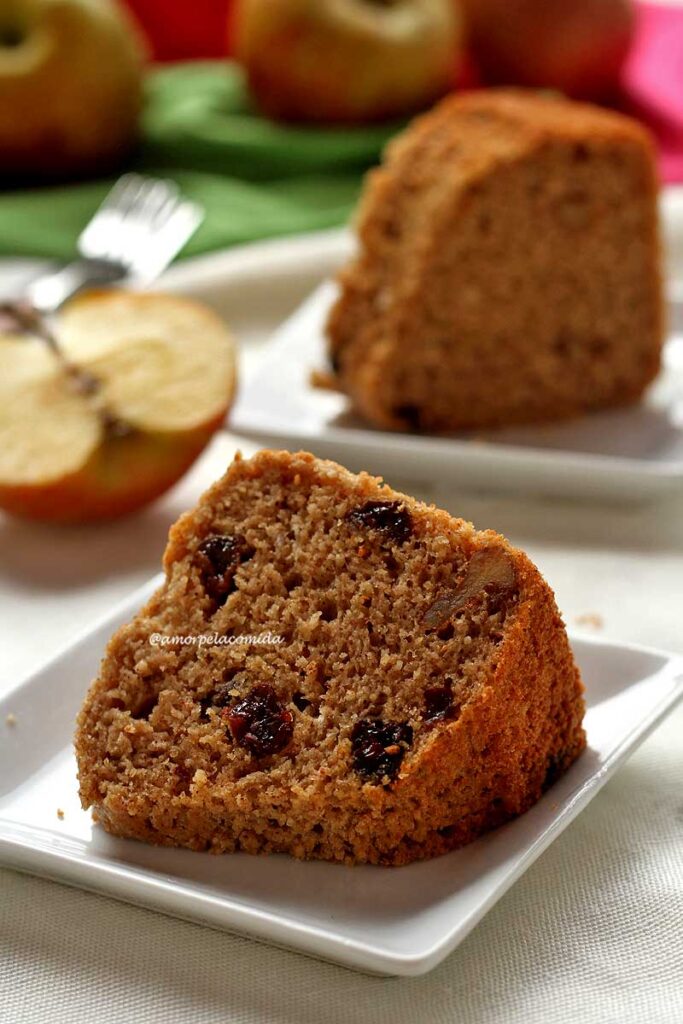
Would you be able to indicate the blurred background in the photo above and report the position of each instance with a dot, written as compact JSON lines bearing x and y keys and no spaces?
{"x":268,"y":112}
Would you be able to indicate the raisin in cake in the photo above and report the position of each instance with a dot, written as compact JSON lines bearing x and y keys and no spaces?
{"x":424,"y":690}
{"x":508,"y":268}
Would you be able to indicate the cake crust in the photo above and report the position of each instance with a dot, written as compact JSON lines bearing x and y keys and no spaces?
{"x":424,"y":692}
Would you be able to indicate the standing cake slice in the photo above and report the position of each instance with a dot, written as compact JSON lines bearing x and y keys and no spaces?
{"x":387,"y":682}
{"x":508,"y":268}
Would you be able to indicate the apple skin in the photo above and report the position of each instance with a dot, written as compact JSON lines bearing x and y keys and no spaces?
{"x":306,"y":60}
{"x":121,"y":477}
{"x":178,"y":30}
{"x":575,"y":46}
{"x":71,"y":91}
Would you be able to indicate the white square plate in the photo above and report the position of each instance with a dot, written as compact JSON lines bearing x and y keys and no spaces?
{"x":631,"y":453}
{"x":380,"y":920}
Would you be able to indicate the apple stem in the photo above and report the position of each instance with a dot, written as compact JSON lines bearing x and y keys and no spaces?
{"x":25,"y":318}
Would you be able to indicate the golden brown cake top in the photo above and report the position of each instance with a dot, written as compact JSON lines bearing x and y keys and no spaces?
{"x":543,"y":112}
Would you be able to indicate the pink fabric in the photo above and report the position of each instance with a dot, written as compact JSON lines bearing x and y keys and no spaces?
{"x":653,"y":81}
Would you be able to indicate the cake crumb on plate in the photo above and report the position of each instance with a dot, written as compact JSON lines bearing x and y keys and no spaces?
{"x":592,"y":620}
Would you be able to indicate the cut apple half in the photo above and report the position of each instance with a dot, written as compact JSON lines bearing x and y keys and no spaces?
{"x":164,"y":376}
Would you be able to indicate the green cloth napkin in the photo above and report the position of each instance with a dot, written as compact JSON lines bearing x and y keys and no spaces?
{"x":254,"y":178}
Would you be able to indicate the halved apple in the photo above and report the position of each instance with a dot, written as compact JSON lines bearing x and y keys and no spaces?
{"x":163,"y":372}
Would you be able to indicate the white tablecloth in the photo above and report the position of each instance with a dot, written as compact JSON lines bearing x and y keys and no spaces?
{"x":591,"y":933}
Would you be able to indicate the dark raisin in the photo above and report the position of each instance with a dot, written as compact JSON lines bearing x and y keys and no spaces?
{"x":439,"y":704}
{"x":219,"y":560}
{"x":390,"y":518}
{"x":260,"y":723}
{"x":410,"y":415}
{"x":554,"y":769}
{"x":379,"y":747}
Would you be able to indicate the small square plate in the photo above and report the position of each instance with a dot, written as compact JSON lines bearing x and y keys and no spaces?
{"x":400,"y":921}
{"x":631,"y":453}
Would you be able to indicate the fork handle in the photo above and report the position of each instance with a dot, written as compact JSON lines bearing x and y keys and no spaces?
{"x":48,"y":293}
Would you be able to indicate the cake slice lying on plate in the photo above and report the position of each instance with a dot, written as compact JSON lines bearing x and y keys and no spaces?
{"x":508,"y":268}
{"x":377,"y":681}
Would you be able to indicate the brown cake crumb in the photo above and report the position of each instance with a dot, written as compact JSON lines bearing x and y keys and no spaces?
{"x":368,"y":735}
{"x":591,"y":619}
{"x":11,"y":720}
{"x":324,"y":380}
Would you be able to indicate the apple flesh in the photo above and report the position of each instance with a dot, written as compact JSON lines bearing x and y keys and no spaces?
{"x":165,"y":375}
{"x":346,"y":60}
{"x":577,"y":47}
{"x":70,"y":86}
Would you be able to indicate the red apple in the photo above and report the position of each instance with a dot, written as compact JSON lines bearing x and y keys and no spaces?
{"x":575,"y":46}
{"x":346,"y":60}
{"x":163,"y":377}
{"x":178,"y":30}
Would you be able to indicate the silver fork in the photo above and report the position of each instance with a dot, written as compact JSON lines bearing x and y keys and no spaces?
{"x":141,"y":225}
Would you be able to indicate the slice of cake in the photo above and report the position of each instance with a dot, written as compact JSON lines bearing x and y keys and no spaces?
{"x":368,"y":679}
{"x":508,"y":268}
